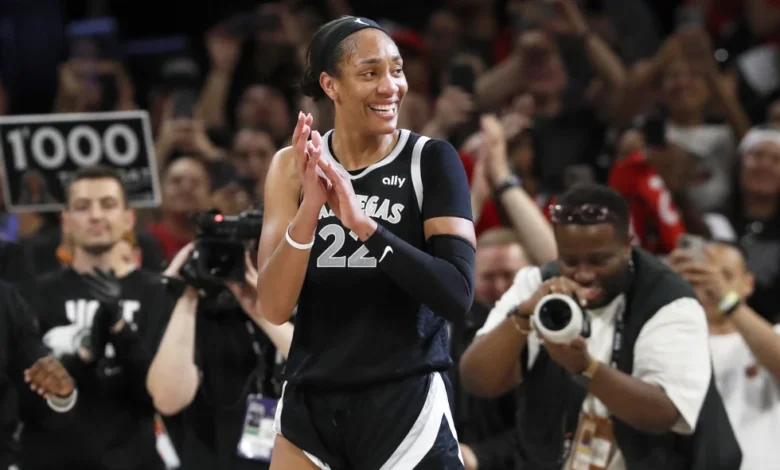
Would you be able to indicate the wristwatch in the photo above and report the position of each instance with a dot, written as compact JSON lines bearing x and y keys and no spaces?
{"x":584,"y":377}
{"x":510,"y":181}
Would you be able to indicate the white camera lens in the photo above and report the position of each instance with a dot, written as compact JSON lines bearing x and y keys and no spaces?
{"x":558,"y":318}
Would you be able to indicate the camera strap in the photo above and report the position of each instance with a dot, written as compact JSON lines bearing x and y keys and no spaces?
{"x":571,"y":425}
{"x":260,"y":369}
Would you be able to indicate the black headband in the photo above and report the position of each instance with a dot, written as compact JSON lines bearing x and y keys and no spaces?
{"x":339,"y":31}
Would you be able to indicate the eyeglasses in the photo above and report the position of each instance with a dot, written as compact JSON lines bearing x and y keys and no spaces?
{"x":583,"y":214}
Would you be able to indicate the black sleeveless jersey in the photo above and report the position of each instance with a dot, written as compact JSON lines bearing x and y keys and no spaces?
{"x":354,"y":324}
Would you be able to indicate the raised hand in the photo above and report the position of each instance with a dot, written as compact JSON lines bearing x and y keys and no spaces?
{"x":104,"y":287}
{"x":343,"y":203}
{"x":307,"y":156}
{"x":47,"y":377}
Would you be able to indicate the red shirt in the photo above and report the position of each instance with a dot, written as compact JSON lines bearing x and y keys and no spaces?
{"x":655,"y":219}
{"x":170,"y":243}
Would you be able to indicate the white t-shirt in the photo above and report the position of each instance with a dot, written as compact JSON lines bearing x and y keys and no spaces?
{"x":671,"y":350}
{"x":752,"y":398}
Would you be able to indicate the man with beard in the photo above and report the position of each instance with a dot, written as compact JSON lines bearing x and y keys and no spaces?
{"x":642,"y":378}
{"x":98,"y":318}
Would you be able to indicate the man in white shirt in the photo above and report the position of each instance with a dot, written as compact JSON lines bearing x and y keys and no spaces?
{"x":666,"y":357}
{"x":745,"y":348}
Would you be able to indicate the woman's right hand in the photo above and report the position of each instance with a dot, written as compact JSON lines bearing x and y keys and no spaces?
{"x":307,"y":155}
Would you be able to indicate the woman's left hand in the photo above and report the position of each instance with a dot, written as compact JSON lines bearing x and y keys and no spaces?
{"x":344,"y":203}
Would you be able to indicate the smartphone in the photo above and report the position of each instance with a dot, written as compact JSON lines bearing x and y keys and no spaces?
{"x":463,"y":77}
{"x":184,"y":102}
{"x":693,"y":244}
{"x":654,"y":130}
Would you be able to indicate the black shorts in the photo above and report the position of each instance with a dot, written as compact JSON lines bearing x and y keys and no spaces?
{"x":401,"y":425}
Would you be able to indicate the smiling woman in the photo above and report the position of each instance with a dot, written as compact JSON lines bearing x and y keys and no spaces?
{"x":369,"y":229}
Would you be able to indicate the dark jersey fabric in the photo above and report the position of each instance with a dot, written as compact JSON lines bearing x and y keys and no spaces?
{"x":355,"y":325}
{"x":113,"y":427}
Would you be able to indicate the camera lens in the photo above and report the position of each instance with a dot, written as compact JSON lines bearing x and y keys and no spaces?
{"x":555,"y":314}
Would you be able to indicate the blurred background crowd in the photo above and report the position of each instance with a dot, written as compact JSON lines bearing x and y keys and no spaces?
{"x":672,"y":103}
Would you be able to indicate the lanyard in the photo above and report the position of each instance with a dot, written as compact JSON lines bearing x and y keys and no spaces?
{"x":617,"y":344}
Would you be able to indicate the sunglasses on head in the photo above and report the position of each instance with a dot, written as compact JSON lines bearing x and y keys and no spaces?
{"x":582,"y":214}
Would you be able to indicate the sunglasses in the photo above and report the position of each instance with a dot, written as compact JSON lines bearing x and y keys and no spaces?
{"x":582,"y":214}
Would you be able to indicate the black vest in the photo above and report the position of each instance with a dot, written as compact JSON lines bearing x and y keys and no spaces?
{"x":550,"y":402}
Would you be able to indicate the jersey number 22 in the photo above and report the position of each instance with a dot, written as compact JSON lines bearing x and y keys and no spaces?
{"x":328,"y":258}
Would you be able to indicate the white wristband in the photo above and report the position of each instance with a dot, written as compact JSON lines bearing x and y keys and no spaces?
{"x":63,"y":404}
{"x":296,"y":245}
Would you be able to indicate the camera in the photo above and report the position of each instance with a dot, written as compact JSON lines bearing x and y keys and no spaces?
{"x":559,"y":319}
{"x":220,"y":245}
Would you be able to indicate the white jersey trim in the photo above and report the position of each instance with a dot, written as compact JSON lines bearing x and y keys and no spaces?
{"x":420,"y":439}
{"x":417,"y":171}
{"x":278,"y":430}
{"x":403,"y":138}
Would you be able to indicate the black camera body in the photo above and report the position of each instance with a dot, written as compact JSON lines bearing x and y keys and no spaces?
{"x":560,"y":319}
{"x":220,"y":246}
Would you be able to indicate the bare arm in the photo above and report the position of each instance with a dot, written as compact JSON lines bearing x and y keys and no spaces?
{"x":173,"y":377}
{"x":728,"y":99}
{"x":282,"y":267}
{"x":663,"y":393}
{"x":760,"y":337}
{"x":280,"y":335}
{"x":224,"y":51}
{"x":499,"y":83}
{"x":490,"y":367}
{"x":535,"y":232}
{"x":641,"y":405}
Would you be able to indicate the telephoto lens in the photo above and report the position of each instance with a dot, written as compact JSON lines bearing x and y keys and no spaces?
{"x":558,"y":318}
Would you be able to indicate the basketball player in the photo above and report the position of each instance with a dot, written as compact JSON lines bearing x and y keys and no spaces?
{"x":369,"y":229}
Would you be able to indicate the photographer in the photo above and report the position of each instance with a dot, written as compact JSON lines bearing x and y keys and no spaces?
{"x":617,"y":381}
{"x":214,"y":367}
{"x":98,"y":319}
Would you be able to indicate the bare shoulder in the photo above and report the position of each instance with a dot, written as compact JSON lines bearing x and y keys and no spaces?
{"x":282,"y":174}
{"x":284,"y":162}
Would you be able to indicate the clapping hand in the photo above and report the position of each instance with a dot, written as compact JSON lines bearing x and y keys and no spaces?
{"x":104,"y":287}
{"x":343,"y":202}
{"x":307,"y":157}
{"x":47,"y":377}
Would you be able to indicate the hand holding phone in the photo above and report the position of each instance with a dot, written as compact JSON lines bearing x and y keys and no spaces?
{"x":693,"y":244}
{"x":184,"y":103}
